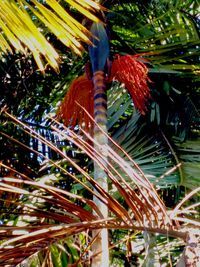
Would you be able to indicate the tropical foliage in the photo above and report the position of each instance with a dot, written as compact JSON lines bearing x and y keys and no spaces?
{"x":56,"y":215}
{"x":27,"y":23}
{"x":47,"y":174}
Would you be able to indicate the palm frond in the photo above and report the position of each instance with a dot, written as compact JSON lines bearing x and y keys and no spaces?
{"x":19,"y":20}
{"x":160,"y":32}
{"x":147,"y":147}
{"x":151,"y":214}
{"x":47,"y":214}
{"x":189,"y":154}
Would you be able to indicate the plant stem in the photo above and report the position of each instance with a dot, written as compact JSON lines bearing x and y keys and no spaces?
{"x":101,"y":140}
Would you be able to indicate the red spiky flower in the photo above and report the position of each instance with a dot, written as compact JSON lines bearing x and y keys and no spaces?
{"x":80,"y":92}
{"x":130,"y":71}
{"x":127,"y":69}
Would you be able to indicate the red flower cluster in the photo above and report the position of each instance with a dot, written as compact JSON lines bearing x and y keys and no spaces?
{"x":127,"y":69}
{"x":130,"y":71}
{"x":81,"y":92}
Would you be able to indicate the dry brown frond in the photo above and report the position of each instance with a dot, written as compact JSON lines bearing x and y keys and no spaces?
{"x":41,"y":227}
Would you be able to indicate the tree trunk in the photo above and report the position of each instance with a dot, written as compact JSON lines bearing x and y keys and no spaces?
{"x":100,"y":246}
{"x":152,"y":254}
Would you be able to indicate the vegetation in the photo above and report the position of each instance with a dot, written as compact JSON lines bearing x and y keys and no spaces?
{"x":46,"y":188}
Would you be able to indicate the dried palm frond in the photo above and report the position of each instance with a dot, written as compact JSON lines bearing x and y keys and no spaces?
{"x":63,"y":217}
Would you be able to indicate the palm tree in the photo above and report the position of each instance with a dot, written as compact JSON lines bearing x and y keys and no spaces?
{"x":125,"y":69}
{"x":161,"y":36}
{"x":72,"y":111}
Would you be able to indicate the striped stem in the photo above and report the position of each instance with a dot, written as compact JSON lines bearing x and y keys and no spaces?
{"x":100,"y":116}
{"x":100,"y":100}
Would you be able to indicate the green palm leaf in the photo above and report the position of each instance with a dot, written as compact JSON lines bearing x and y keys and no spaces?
{"x":148,"y":149}
{"x":189,"y":154}
{"x":166,"y":34}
